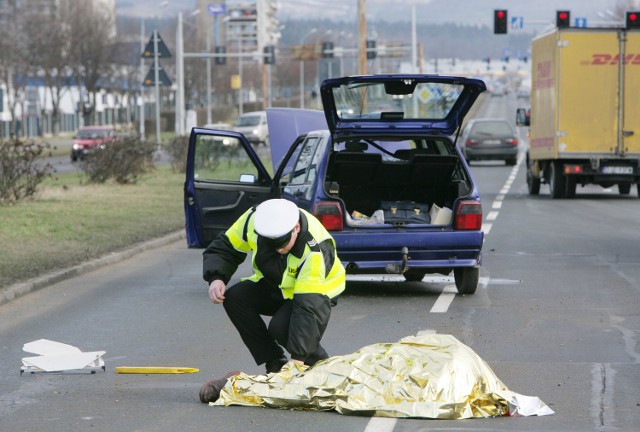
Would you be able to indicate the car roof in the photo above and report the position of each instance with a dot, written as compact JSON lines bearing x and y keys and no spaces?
{"x":399,"y":103}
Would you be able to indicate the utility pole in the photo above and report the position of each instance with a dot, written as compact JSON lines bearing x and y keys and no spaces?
{"x":362,"y":37}
{"x":141,"y":79}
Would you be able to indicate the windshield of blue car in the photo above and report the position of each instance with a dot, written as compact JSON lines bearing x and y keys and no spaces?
{"x":370,"y":101}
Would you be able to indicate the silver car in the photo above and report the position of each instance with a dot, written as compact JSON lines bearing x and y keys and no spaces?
{"x":489,"y":139}
{"x":253,"y":125}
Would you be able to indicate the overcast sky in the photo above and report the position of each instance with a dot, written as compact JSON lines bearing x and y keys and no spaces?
{"x":468,"y":12}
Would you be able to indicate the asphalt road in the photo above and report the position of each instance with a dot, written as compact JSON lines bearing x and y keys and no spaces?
{"x":556,"y":316}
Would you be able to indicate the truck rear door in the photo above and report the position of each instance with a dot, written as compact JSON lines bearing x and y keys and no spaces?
{"x":631,"y":119}
{"x":587,"y":92}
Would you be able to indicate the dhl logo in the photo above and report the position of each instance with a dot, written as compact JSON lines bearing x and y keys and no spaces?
{"x":610,"y":59}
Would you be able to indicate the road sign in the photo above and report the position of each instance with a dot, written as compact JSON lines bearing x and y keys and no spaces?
{"x":517,"y":23}
{"x":216,"y":9}
{"x":163,"y":51}
{"x":150,"y":79}
{"x":580,"y":22}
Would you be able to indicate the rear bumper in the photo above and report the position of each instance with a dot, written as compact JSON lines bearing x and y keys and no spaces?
{"x":437,"y":251}
{"x":490,"y":153}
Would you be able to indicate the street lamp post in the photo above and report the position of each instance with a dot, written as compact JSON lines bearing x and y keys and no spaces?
{"x":313,"y":30}
{"x":142,"y":31}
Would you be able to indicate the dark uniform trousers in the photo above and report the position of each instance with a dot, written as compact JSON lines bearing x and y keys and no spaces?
{"x":296,"y":324}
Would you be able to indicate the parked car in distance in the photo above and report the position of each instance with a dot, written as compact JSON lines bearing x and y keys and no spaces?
{"x":90,"y":138}
{"x":253,"y":125}
{"x":489,"y":139}
{"x":379,"y":168}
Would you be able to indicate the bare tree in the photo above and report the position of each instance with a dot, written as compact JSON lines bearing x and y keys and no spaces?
{"x":89,"y":29}
{"x":14,"y":68}
{"x":48,"y":50}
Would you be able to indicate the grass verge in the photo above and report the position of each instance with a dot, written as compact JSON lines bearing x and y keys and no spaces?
{"x":70,"y":222}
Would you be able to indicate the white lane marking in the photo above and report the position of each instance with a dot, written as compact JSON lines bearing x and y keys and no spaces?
{"x":444,"y":299}
{"x":381,"y":424}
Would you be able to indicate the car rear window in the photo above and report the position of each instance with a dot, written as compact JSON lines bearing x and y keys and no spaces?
{"x":371,"y":101}
{"x":492,"y":128}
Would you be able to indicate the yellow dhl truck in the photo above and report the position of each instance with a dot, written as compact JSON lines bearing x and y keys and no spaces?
{"x":584,"y":119}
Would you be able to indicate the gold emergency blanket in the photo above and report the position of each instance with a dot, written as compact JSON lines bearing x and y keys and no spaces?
{"x":424,"y":376}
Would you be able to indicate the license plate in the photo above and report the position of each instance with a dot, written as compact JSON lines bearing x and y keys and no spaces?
{"x":617,"y":170}
{"x":491,"y":142}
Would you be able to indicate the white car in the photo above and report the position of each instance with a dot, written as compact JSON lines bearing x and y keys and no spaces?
{"x":253,"y":125}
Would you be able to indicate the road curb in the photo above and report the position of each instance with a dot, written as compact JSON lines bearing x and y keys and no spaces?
{"x":18,"y":290}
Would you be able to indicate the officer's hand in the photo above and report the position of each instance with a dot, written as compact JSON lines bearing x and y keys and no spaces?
{"x":216,"y":291}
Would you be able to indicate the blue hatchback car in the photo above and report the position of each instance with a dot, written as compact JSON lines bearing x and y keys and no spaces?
{"x":379,"y":168}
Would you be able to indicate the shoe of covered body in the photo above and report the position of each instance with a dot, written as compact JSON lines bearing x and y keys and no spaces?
{"x":210,"y":391}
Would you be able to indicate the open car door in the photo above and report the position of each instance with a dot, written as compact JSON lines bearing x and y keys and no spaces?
{"x":224,"y":178}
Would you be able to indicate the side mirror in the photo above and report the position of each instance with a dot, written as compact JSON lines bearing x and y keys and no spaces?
{"x":247,"y":178}
{"x":523,"y":117}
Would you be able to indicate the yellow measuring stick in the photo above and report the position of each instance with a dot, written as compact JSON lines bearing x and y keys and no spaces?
{"x":154,"y":370}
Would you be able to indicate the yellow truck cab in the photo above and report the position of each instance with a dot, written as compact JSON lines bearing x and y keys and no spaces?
{"x":585,"y":112}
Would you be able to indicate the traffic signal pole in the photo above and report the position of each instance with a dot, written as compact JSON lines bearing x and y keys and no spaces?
{"x":156,"y":66}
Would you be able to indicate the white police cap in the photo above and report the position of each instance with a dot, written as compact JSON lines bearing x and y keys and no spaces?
{"x":275,"y":218}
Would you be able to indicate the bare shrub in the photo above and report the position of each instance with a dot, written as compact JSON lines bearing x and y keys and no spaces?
{"x":123,"y":160}
{"x":177,"y":151}
{"x":20,"y":170}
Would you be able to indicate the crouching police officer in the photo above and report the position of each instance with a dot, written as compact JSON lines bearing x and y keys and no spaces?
{"x":297,"y":278}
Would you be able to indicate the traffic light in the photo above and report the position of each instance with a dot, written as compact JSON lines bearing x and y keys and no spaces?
{"x":269,"y":54}
{"x":500,"y":21}
{"x":221,"y":50}
{"x":633,"y":20}
{"x":327,"y":49}
{"x":371,"y":49}
{"x":563,"y":18}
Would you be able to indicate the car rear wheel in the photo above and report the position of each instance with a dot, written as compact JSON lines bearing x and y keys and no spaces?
{"x":466,"y":279}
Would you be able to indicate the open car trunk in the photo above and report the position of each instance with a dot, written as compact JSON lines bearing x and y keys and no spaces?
{"x":397,"y":182}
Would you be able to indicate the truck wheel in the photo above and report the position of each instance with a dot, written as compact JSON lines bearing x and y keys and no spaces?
{"x":533,"y":183}
{"x":556,"y":180}
{"x":624,"y":188}
{"x":466,"y":279}
{"x":570,"y":186}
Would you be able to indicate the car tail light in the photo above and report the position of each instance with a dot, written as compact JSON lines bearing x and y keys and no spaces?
{"x":329,"y":213}
{"x":512,"y":141}
{"x":468,"y":216}
{"x":470,"y":142}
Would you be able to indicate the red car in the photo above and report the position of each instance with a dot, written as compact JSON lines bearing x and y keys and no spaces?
{"x":89,"y":138}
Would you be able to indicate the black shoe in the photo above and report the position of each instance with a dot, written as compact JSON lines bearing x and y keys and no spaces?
{"x":210,"y":391}
{"x":276,"y":365}
{"x":316,"y":356}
